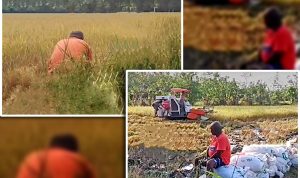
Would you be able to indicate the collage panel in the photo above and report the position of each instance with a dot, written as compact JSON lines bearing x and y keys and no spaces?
{"x":149,"y":88}
{"x":241,"y":34}
{"x":70,"y":57}
{"x":219,"y":124}
{"x":62,"y":148}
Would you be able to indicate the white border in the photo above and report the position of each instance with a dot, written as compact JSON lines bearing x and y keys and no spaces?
{"x":298,"y":114}
{"x":1,"y":60}
{"x":198,"y":71}
{"x":126,"y":125}
{"x":62,"y":115}
{"x":181,"y":40}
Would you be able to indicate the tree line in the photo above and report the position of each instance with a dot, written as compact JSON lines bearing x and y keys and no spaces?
{"x":211,"y":89}
{"x":90,"y":6}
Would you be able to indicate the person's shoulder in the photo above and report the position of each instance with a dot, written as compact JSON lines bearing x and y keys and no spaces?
{"x":33,"y":156}
{"x":79,"y":41}
{"x":284,"y":30}
{"x":84,"y":42}
{"x":70,"y":154}
{"x":223,"y":136}
{"x":62,"y":42}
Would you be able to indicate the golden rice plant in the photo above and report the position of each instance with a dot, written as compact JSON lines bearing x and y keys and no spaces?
{"x":119,"y":41}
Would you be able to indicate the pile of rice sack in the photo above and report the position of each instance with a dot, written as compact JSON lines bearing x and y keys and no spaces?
{"x":261,"y":161}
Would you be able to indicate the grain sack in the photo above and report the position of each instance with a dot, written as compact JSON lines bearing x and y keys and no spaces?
{"x":272,"y":170}
{"x":282,"y":152}
{"x":250,"y":174}
{"x":230,"y":171}
{"x":255,"y":163}
{"x":294,"y":160}
{"x":279,"y":174}
{"x":271,"y":161}
{"x":282,"y":164}
{"x":263,"y":175}
{"x":263,"y":149}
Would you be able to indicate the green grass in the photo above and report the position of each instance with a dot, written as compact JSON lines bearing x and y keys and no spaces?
{"x":80,"y":93}
{"x":242,"y":113}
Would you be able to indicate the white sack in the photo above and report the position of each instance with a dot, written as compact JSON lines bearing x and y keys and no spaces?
{"x":255,"y":163}
{"x":230,"y":171}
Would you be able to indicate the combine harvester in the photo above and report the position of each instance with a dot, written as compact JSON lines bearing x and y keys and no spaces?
{"x":173,"y":108}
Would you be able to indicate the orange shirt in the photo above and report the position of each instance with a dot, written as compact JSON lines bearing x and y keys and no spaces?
{"x":68,"y":48}
{"x":220,"y":143}
{"x":55,"y":163}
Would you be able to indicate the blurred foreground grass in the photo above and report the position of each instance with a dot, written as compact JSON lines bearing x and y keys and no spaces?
{"x":101,"y":141}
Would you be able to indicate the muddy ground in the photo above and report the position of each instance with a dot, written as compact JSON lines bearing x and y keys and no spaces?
{"x":162,"y":162}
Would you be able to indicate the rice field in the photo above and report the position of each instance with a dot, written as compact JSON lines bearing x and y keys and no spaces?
{"x":229,"y":113}
{"x":101,"y":142}
{"x":158,"y":147}
{"x":119,"y":41}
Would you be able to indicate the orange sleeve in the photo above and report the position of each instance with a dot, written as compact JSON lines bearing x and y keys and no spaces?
{"x":29,"y":168}
{"x":88,"y":169}
{"x":57,"y":57}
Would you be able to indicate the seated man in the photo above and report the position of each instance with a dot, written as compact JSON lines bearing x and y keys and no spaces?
{"x":278,"y":49}
{"x":219,"y":151}
{"x":60,"y":160}
{"x":73,"y":47}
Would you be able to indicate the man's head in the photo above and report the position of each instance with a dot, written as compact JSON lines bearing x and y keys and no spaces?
{"x":216,"y":128}
{"x":77,"y":34}
{"x":65,"y":141}
{"x":273,"y":18}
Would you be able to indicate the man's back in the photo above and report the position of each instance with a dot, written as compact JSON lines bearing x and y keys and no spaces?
{"x":221,"y":143}
{"x":287,"y":46}
{"x":69,"y":48}
{"x":280,"y":41}
{"x":55,"y":163}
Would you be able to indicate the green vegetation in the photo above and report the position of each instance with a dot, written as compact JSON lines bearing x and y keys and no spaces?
{"x":211,"y":89}
{"x":63,"y":6}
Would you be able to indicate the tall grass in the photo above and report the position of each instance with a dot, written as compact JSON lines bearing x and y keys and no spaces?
{"x":119,"y":41}
{"x":82,"y":91}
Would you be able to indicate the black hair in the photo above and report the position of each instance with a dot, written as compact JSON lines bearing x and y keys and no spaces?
{"x":77,"y":34}
{"x":273,"y":18}
{"x":65,"y":141}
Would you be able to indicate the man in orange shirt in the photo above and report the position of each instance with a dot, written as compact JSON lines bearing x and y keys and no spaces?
{"x":60,"y":160}
{"x":219,"y":151}
{"x":278,"y":49}
{"x":73,"y":47}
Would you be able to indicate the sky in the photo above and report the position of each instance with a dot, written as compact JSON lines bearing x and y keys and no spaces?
{"x":267,"y":77}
